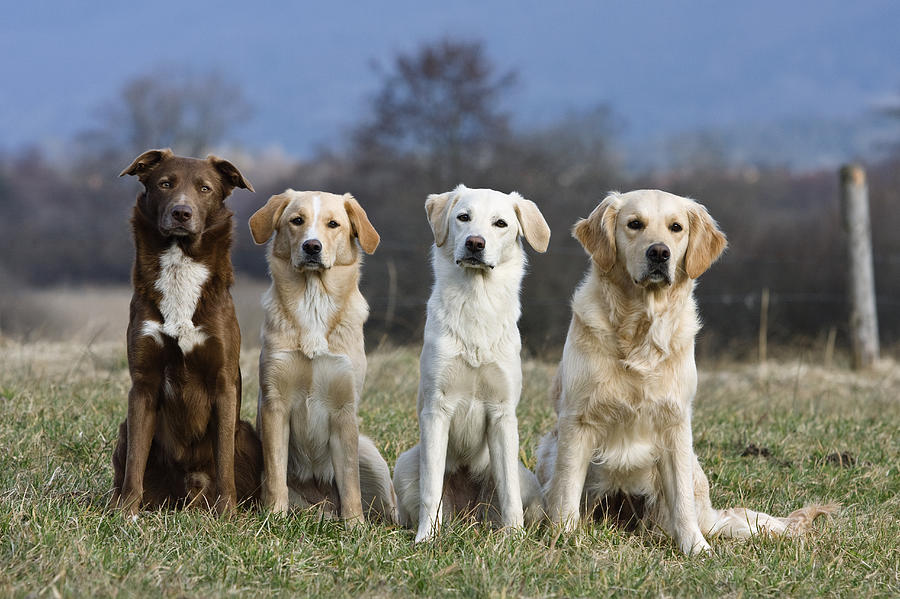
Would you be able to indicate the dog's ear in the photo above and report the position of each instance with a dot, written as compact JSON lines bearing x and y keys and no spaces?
{"x":706,"y":242}
{"x":230,"y":174}
{"x":597,"y":233}
{"x":264,"y":220}
{"x":362,"y":228}
{"x":438,"y":208}
{"x":532,"y":224}
{"x":146,"y":162}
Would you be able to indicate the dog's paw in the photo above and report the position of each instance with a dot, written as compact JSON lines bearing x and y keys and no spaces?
{"x":128,"y":506}
{"x":695,"y":545}
{"x":353,"y":522}
{"x":225,"y":507}
{"x":424,"y":535}
{"x":513,"y":532}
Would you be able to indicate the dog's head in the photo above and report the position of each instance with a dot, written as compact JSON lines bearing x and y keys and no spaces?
{"x":180,"y":193}
{"x":656,"y":237}
{"x":314,"y":230}
{"x":478,"y":228}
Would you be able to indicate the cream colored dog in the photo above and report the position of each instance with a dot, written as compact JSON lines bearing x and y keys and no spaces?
{"x":470,"y":370}
{"x":627,"y":378}
{"x":313,"y":363}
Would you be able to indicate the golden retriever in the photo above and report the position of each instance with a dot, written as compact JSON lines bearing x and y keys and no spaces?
{"x":470,"y":369}
{"x":313,"y":363}
{"x":627,"y":378}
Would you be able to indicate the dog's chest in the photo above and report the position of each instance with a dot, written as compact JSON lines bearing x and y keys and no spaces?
{"x":180,"y":284}
{"x":631,"y":446}
{"x":479,"y":332}
{"x":313,"y":314}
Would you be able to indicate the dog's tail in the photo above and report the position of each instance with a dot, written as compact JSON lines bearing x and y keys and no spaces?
{"x":800,"y":520}
{"x":742,"y":522}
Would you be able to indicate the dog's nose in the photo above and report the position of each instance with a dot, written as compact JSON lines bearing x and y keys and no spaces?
{"x":312,"y":246}
{"x":474,"y":243}
{"x":182,"y":213}
{"x":658,"y":252}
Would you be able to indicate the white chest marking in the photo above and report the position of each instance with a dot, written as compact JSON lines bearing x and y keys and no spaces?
{"x":180,"y":282}
{"x":315,"y":310}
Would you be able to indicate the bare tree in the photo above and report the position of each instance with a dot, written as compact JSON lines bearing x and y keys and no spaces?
{"x":439,"y":105}
{"x":185,"y":111}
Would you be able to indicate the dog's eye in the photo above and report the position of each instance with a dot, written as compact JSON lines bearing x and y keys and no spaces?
{"x":463,"y":217}
{"x":635,"y":225}
{"x":205,"y":188}
{"x":500,"y":223}
{"x":333,"y":224}
{"x":675,"y":227}
{"x":297,"y":220}
{"x":165,"y":184}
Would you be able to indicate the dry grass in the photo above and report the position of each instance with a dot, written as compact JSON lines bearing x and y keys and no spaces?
{"x":794,"y":435}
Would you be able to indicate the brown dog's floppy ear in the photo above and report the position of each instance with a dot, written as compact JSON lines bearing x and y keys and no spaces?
{"x":263,"y":221}
{"x":534,"y":228}
{"x":705,"y":244}
{"x":362,"y":228}
{"x":146,"y":162}
{"x":230,"y":174}
{"x":597,"y":233}
{"x":438,"y":208}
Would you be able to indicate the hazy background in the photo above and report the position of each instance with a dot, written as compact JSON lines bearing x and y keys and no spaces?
{"x":749,"y":107}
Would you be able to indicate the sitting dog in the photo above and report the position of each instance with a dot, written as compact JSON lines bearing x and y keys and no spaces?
{"x":627,"y":378}
{"x":470,"y":371}
{"x":183,"y":430}
{"x":313,"y":362}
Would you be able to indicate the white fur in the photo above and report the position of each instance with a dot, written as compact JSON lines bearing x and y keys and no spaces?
{"x":313,"y":231}
{"x":180,"y":282}
{"x":470,"y":369}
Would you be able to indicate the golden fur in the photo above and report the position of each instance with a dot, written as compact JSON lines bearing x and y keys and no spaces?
{"x":313,"y":363}
{"x":627,"y":378}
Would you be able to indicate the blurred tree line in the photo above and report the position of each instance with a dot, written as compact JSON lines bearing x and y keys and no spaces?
{"x":441,"y":117}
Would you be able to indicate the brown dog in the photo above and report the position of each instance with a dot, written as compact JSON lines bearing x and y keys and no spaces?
{"x":183,"y":429}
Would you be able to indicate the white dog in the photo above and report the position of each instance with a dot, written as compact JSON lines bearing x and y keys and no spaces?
{"x":313,"y":364}
{"x":627,"y":378}
{"x":470,"y":368}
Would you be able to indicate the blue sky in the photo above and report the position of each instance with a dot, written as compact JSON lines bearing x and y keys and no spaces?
{"x":663,"y":66}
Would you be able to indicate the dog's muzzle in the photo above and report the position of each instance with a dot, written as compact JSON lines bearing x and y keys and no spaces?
{"x":658,"y":267}
{"x":474,"y":253}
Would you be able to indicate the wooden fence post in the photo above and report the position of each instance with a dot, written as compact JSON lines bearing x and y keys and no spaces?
{"x":764,"y":326}
{"x":861,"y":281}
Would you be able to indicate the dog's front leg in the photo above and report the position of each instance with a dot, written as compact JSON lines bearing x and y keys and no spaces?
{"x":503,"y":445}
{"x":141,"y":425}
{"x":574,"y":446}
{"x":226,"y":420}
{"x":343,"y":441}
{"x":274,"y":431}
{"x":434,"y":427}
{"x":676,"y":473}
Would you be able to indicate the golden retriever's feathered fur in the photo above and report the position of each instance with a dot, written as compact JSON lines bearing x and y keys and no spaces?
{"x":627,"y":378}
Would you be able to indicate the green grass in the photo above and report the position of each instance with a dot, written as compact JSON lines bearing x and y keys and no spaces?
{"x":60,"y":405}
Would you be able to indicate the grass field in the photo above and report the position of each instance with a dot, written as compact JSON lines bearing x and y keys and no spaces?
{"x":772,"y":441}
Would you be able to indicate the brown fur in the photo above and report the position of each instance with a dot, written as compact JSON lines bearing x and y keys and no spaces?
{"x":182,"y":441}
